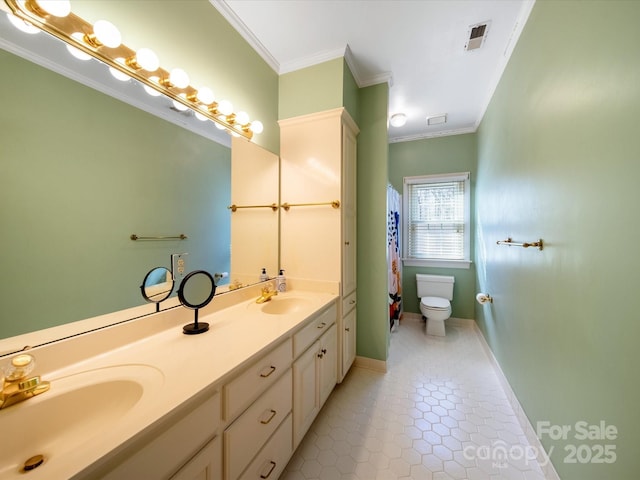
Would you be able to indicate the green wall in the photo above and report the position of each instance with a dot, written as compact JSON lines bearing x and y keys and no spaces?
{"x":350,"y":93}
{"x":312,"y":89}
{"x":80,"y":173}
{"x":373,"y":159}
{"x":427,"y":157}
{"x":558,"y":155}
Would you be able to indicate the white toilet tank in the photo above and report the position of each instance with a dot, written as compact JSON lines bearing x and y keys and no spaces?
{"x":435,"y":286}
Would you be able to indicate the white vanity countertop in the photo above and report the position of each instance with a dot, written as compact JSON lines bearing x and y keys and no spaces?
{"x":186,"y":365}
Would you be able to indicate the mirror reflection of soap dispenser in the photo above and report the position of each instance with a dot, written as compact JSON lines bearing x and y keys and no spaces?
{"x":263,"y":276}
{"x":281,"y":282}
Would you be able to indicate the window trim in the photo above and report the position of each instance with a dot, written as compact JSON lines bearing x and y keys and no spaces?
{"x":435,"y":262}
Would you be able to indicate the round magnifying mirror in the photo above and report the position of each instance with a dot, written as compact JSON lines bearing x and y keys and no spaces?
{"x":157,"y":285}
{"x":195,"y":292}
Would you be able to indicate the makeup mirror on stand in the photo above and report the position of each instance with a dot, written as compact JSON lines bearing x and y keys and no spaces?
{"x":195,"y":292}
{"x":157,"y":286}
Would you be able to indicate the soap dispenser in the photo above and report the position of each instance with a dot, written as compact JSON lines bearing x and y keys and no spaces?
{"x":263,"y":276}
{"x":281,"y":282}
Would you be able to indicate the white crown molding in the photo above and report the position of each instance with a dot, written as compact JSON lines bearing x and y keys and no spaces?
{"x":227,"y":12}
{"x":384,"y":77}
{"x":441,"y":133}
{"x":311,"y":60}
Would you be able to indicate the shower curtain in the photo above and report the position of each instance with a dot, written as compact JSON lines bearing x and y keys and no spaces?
{"x":394,"y":258}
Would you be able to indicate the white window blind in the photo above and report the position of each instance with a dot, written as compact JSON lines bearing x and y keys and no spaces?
{"x":437,"y":216}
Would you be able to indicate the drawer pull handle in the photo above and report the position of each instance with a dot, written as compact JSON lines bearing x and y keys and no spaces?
{"x":273,"y":413}
{"x":273,"y":465}
{"x":320,"y":355}
{"x":324,"y":350}
{"x":352,"y":302}
{"x":271,"y":370}
{"x":347,"y":329}
{"x":322,"y":325}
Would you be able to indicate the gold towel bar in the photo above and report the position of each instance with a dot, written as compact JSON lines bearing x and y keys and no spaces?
{"x":235,"y":207}
{"x":511,"y":243}
{"x":182,"y":236}
{"x":287,"y":206}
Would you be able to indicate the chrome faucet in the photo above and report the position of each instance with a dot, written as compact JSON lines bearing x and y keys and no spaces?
{"x":267,"y":293}
{"x":16,"y":385}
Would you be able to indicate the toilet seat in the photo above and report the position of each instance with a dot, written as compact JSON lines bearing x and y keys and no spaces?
{"x":435,"y":303}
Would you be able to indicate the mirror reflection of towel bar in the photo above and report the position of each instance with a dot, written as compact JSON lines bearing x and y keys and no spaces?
{"x":511,"y":243}
{"x":182,"y":236}
{"x":287,"y":206}
{"x":235,"y":207}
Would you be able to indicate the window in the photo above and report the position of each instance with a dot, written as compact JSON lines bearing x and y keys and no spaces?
{"x":436,"y":220}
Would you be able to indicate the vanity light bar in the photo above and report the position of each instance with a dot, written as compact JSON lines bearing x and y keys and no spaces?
{"x":123,"y":59}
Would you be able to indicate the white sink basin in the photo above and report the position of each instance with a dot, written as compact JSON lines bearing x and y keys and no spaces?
{"x":285,"y":305}
{"x":76,"y":409}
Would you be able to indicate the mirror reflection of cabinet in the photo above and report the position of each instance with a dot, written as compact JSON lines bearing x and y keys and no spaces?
{"x":255,"y":178}
{"x":318,"y":165}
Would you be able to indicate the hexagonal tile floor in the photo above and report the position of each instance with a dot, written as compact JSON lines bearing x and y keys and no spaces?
{"x":439,"y":413}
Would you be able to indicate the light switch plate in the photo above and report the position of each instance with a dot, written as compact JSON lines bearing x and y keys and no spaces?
{"x":179,"y":266}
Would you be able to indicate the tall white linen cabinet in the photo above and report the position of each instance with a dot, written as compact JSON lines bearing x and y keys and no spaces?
{"x":318,"y":241}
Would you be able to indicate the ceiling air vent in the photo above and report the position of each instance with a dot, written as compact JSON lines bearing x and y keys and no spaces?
{"x":476,"y":35}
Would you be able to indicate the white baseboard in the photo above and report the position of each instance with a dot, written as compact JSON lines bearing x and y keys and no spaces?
{"x":543,"y":457}
{"x":371,"y":364}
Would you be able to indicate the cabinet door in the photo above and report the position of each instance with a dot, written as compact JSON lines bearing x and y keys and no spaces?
{"x":328,"y":362}
{"x":306,"y":402}
{"x":206,"y":465}
{"x":348,"y":341}
{"x":348,"y":210}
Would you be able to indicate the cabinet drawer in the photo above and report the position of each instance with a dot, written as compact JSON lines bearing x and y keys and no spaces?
{"x":246,"y":436}
{"x":206,"y":465}
{"x":243,"y":389}
{"x":311,"y":332}
{"x":182,"y":439}
{"x":349,"y":303}
{"x":272,"y":459}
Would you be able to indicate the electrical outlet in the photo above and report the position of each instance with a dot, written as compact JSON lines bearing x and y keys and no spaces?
{"x":179,"y":266}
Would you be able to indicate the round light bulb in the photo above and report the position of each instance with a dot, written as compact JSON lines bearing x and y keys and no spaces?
{"x":242,"y":118}
{"x":205,"y":95}
{"x":151,"y":91}
{"x":22,"y":25}
{"x":107,"y":34}
{"x":118,"y":75}
{"x":257,"y":127}
{"x":57,"y":8}
{"x":147,"y":59}
{"x":219,"y":126}
{"x":179,"y":78}
{"x":225,"y":107}
{"x":201,"y":117}
{"x":76,"y":52}
{"x":398,"y":120}
{"x":179,"y":106}
{"x":79,"y":54}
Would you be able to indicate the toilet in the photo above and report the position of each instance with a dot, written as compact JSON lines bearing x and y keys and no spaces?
{"x":435,"y":293}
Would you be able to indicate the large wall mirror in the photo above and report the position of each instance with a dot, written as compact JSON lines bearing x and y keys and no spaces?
{"x":81,"y":172}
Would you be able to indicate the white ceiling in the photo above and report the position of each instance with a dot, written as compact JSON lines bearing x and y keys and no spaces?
{"x":415,"y":45}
